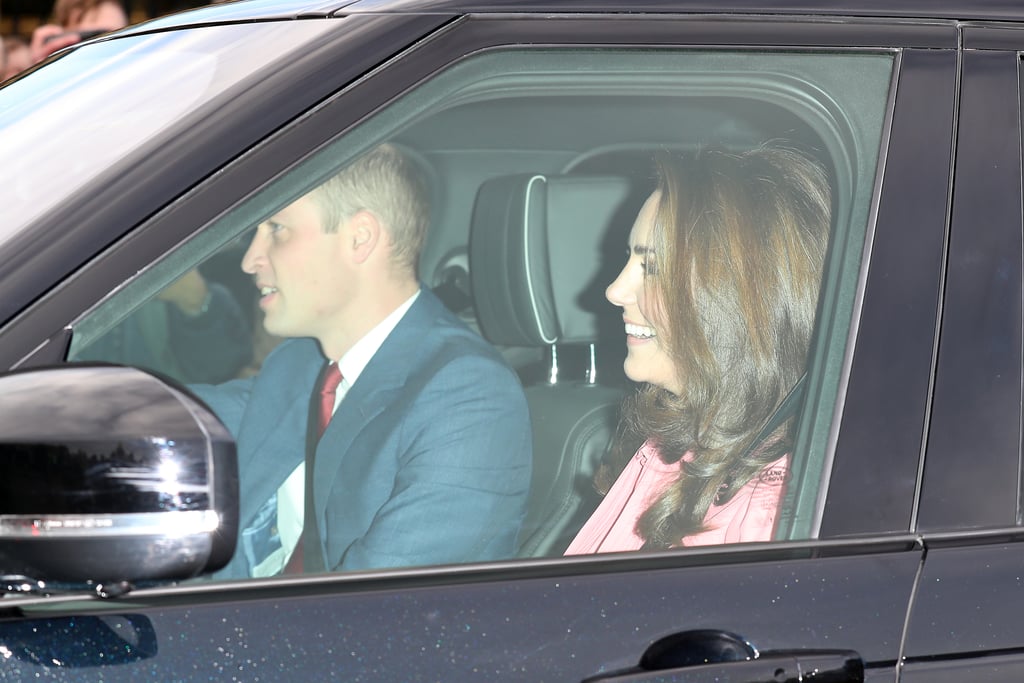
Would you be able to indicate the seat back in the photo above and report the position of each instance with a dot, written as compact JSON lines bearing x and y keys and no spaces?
{"x":535,"y":247}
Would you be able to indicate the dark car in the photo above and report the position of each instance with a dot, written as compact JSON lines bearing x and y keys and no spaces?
{"x":135,"y":159}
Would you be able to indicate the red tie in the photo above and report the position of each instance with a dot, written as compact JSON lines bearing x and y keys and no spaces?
{"x":332,"y":378}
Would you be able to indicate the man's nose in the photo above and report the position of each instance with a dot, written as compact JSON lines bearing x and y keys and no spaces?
{"x":253,"y":255}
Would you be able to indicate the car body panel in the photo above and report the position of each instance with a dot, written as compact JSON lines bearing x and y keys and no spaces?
{"x":969,"y":595}
{"x":573,"y":622}
{"x":972,"y":475}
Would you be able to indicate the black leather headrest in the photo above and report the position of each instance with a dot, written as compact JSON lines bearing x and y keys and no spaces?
{"x":535,"y":244}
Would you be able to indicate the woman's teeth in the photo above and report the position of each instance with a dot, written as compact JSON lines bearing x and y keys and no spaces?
{"x":640,"y":331}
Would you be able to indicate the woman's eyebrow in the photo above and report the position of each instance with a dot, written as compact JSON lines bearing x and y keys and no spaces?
{"x":642,"y":250}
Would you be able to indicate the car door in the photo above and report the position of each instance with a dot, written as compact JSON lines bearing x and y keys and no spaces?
{"x":963,"y":619}
{"x":832,"y":592}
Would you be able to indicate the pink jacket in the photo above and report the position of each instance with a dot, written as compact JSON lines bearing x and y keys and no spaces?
{"x":748,"y":516}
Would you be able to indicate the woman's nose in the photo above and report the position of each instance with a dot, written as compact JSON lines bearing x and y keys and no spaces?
{"x":618,"y":291}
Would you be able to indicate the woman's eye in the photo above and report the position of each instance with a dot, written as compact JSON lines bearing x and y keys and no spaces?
{"x":649,"y":267}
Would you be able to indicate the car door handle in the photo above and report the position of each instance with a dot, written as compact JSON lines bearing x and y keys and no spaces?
{"x":710,"y":656}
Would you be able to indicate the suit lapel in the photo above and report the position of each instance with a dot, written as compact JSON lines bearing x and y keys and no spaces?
{"x":269,"y":450}
{"x":376,"y":388}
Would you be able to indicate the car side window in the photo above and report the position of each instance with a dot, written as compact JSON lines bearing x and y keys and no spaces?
{"x":572,"y":301}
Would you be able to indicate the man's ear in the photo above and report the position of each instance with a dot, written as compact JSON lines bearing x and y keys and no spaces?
{"x":366,"y":235}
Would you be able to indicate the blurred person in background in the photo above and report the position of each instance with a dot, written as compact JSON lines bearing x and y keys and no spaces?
{"x":74,"y":20}
{"x":15,"y":58}
{"x":89,"y":15}
{"x":193,"y":331}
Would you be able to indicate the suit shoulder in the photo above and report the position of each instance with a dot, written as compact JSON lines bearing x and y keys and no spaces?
{"x":456,"y":339}
{"x":447,"y":347}
{"x":449,"y":332}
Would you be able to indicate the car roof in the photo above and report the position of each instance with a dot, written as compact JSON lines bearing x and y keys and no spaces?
{"x":268,"y":10}
{"x":240,"y":12}
{"x":967,"y":10}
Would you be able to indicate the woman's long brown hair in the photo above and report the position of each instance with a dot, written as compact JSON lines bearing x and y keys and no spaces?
{"x":739,"y":242}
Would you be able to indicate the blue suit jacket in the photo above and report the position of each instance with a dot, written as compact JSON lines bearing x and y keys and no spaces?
{"x":426,"y":460}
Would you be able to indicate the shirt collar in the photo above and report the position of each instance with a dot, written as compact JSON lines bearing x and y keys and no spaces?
{"x":359,"y":356}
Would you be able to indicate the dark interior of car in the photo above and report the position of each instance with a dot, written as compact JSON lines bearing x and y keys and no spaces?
{"x":531,"y":224}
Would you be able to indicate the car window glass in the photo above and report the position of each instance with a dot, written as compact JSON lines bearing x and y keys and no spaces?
{"x":176,"y":79}
{"x":539,"y":172}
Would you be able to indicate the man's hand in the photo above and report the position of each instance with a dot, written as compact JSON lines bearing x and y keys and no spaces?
{"x":188,"y":293}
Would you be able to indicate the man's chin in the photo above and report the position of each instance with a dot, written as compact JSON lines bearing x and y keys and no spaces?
{"x":272,"y":328}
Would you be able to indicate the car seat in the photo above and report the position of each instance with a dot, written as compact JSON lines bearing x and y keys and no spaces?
{"x":535,"y":246}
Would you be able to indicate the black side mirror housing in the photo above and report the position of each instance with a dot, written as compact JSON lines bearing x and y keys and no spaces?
{"x":112,"y":474}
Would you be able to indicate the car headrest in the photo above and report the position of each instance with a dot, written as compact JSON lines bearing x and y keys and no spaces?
{"x":535,"y":245}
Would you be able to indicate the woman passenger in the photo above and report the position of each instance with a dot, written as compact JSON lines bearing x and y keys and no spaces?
{"x":718,"y":295}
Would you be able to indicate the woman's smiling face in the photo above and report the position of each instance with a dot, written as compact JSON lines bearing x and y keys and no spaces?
{"x":635,"y":290}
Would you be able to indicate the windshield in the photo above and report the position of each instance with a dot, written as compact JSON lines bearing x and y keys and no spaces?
{"x":64,"y":124}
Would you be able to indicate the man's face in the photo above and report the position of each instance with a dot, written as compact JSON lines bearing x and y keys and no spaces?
{"x":300,"y":270}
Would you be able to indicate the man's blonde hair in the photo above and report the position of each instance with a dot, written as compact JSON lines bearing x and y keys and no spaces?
{"x":388,"y":184}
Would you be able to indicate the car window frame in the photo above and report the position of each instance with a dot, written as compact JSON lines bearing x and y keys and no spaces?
{"x":283,"y":150}
{"x":888,"y":400}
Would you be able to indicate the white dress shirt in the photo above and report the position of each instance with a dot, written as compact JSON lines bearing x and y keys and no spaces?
{"x":291,"y":494}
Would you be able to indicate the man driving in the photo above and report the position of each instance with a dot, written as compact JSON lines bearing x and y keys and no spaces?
{"x":382,"y":432}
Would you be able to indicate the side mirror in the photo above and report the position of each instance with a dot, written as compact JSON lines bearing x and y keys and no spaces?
{"x":112,"y":474}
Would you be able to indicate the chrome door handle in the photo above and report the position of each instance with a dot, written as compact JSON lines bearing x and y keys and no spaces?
{"x":710,"y":656}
